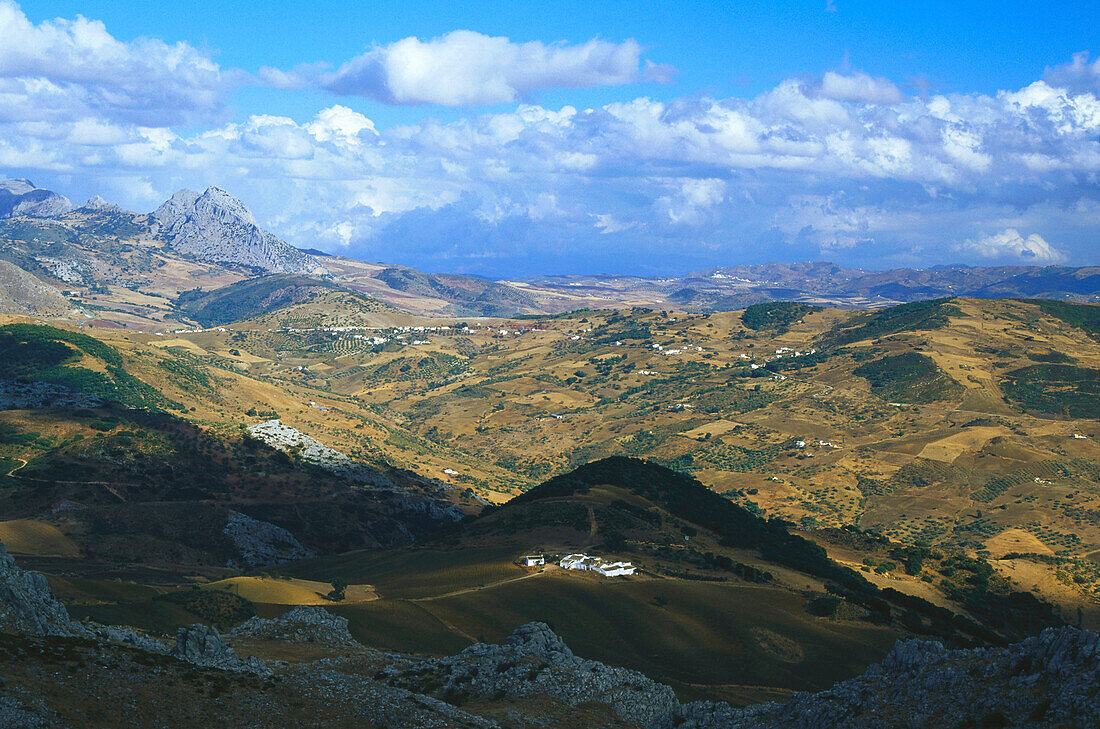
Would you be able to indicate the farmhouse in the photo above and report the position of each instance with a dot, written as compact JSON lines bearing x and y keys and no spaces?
{"x":595,"y":564}
{"x":534,"y":560}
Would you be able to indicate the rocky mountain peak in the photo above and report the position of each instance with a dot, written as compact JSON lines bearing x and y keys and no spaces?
{"x":98,"y":203}
{"x":216,"y":226}
{"x":17,"y":186}
{"x":21,"y":197}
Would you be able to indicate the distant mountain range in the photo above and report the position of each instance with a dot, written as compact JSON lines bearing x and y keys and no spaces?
{"x":128,"y":269}
{"x":734,"y":287}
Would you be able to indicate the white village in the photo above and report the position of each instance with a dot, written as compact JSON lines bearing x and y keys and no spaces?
{"x":584,"y":562}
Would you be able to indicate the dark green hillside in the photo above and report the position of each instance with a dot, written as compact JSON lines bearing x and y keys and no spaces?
{"x":917,"y":316}
{"x":686,"y":498}
{"x":40,"y":353}
{"x":249,"y":298}
{"x":910,"y":377}
{"x":1082,"y":316}
{"x":777,"y":315}
{"x":1056,"y":389}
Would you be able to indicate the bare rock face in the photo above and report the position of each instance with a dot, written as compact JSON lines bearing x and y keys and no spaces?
{"x":203,"y":646}
{"x":21,"y":197}
{"x":261,"y":543}
{"x":28,"y":606}
{"x":285,"y":438}
{"x":216,"y":227}
{"x":98,"y":204}
{"x":300,"y":625}
{"x":535,"y":661}
{"x":1046,"y":682}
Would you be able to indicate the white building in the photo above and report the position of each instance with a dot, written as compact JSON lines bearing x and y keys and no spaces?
{"x":595,"y":564}
{"x":534,"y":560}
{"x":615,"y":569}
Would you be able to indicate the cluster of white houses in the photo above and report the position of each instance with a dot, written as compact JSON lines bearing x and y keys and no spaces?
{"x":595,"y":564}
{"x":584,"y":562}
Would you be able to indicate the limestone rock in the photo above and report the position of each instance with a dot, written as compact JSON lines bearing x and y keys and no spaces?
{"x":97,"y":203}
{"x":127,"y":636}
{"x":535,"y":661}
{"x":37,"y":395}
{"x":21,"y":197}
{"x":302,"y":624}
{"x":261,"y":543}
{"x":1049,"y":681}
{"x":217,"y":227}
{"x":203,"y":646}
{"x":28,"y":606}
{"x":285,"y":438}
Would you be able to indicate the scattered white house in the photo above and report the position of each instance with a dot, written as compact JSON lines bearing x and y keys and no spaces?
{"x":595,"y":564}
{"x":615,"y":569}
{"x":534,"y":560}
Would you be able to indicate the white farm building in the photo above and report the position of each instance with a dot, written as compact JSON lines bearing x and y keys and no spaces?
{"x":533,"y":560}
{"x":595,"y":564}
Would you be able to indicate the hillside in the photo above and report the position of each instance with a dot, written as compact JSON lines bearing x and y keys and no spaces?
{"x":722,"y":592}
{"x":22,"y":293}
{"x":258,"y":296}
{"x":894,"y":447}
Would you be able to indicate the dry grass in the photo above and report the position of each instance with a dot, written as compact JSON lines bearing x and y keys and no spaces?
{"x":25,"y":536}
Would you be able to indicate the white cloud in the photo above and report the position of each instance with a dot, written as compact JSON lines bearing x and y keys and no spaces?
{"x":859,"y":87}
{"x":1010,"y":244}
{"x":339,"y":123}
{"x":63,"y":70}
{"x":844,"y":167}
{"x":467,"y":68}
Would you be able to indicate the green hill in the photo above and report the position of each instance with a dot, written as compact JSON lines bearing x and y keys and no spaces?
{"x":40,"y":353}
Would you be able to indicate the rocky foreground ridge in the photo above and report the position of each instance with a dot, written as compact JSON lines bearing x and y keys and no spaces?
{"x":532,"y":680}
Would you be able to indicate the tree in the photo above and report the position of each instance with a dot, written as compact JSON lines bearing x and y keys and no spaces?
{"x":339,"y":586}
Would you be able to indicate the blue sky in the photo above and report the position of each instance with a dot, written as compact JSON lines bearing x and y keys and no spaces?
{"x":518,"y":138}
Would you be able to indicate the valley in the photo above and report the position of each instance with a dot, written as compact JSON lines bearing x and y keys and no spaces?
{"x":799,"y":483}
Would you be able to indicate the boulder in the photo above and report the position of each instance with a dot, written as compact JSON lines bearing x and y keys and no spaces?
{"x":203,"y":646}
{"x":302,"y":624}
{"x":27,"y":604}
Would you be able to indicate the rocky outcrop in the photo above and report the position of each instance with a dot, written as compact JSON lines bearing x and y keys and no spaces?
{"x":98,"y":204}
{"x":28,"y":606}
{"x":203,"y":646}
{"x":14,"y":714}
{"x":378,"y":704}
{"x":287,"y":439}
{"x":37,"y":395}
{"x":22,"y":293}
{"x":128,"y":637}
{"x":21,"y":197}
{"x":217,"y":227}
{"x":535,"y":661}
{"x":1049,"y":681}
{"x":261,"y":543}
{"x":301,"y":625}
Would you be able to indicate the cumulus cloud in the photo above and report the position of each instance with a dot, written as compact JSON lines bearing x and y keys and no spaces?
{"x":467,"y":68}
{"x":1010,"y":244}
{"x":844,"y":166}
{"x":859,"y":87}
{"x":72,"y":69}
{"x":1081,"y":73}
